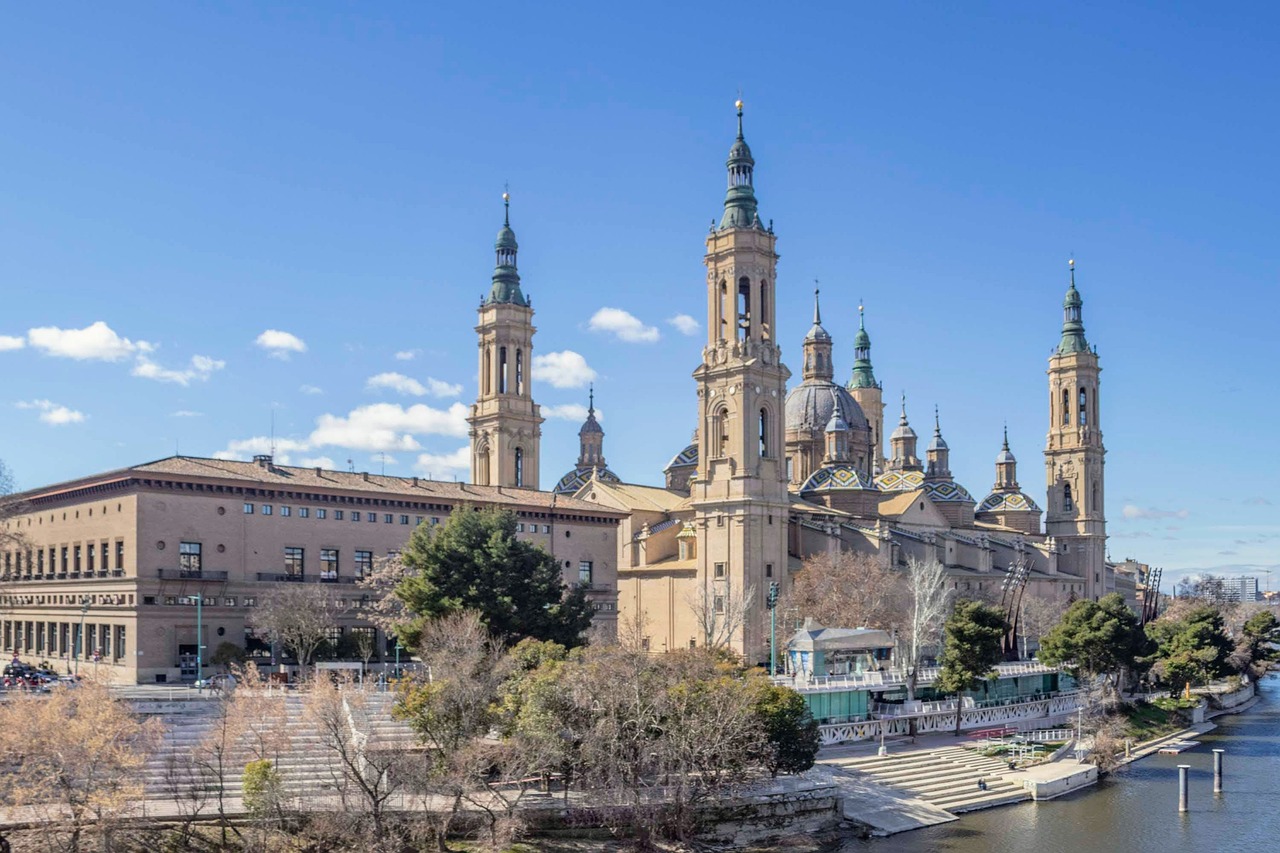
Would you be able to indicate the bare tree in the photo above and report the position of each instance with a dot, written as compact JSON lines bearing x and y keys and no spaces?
{"x":924,"y":611}
{"x":720,"y":612}
{"x":380,"y":604}
{"x":845,"y":590}
{"x":298,"y":616}
{"x":76,"y":758}
{"x":1039,"y":614}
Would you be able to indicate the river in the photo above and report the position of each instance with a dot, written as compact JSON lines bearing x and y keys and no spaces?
{"x":1137,"y":808}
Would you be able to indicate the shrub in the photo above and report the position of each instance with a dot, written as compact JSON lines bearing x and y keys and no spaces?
{"x":262,"y":787}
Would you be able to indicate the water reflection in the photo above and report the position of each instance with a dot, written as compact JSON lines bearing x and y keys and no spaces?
{"x":1138,"y":808}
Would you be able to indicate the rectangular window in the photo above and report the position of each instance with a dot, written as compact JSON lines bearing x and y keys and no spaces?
{"x":519,"y":527}
{"x":363,"y":563}
{"x":250,"y":601}
{"x":248,"y":509}
{"x":90,"y":551}
{"x":40,"y":562}
{"x":404,"y":519}
{"x":190,"y":559}
{"x":719,"y":604}
{"x":719,"y":521}
{"x":266,"y":509}
{"x":332,"y":636}
{"x":303,"y":512}
{"x":355,"y":515}
{"x":119,"y":648}
{"x":421,"y":519}
{"x":329,"y":564}
{"x":768,"y":570}
{"x":76,"y":564}
{"x":719,"y":570}
{"x":286,"y":511}
{"x":229,"y":601}
{"x":434,"y":521}
{"x":322,"y":513}
{"x":337,"y":515}
{"x":546,"y":528}
{"x":120,"y":555}
{"x":293,"y":562}
{"x":584,"y":572}
{"x":64,"y":559}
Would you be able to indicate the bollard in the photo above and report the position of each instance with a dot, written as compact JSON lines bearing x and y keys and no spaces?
{"x":1217,"y":770}
{"x":1182,"y":786}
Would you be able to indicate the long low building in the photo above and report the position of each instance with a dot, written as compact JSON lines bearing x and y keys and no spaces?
{"x":126,"y":554}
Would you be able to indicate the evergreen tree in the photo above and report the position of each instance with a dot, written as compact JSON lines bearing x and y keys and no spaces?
{"x":475,"y":562}
{"x":792,"y":736}
{"x":971,"y":649}
{"x":1097,"y":638}
{"x":1191,"y":650}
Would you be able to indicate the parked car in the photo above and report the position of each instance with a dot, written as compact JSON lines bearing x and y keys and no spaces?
{"x":222,"y":681}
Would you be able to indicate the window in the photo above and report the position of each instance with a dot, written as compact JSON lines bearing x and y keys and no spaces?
{"x":764,"y":433}
{"x":1066,"y":407}
{"x":718,"y":604}
{"x":421,"y":519}
{"x":390,"y":519}
{"x":363,"y":563}
{"x":90,"y":551}
{"x":76,"y":565}
{"x":584,"y":572}
{"x":644,"y":644}
{"x":328,"y":563}
{"x":303,"y":512}
{"x":404,"y":519}
{"x":434,"y":521}
{"x":719,"y":570}
{"x":372,"y":517}
{"x":120,"y":555}
{"x":248,"y":509}
{"x":720,"y":433}
{"x":1066,"y":497}
{"x":768,"y":570}
{"x":250,"y":601}
{"x":64,"y":559}
{"x":286,"y":511}
{"x":322,"y":513}
{"x":294,"y":559}
{"x":266,"y":509}
{"x":519,"y":371}
{"x":119,"y":645}
{"x":519,"y":466}
{"x":546,"y":528}
{"x":355,"y":514}
{"x":502,"y":370}
{"x":519,"y":527}
{"x":337,"y":515}
{"x":190,"y":558}
{"x":1084,"y":407}
{"x":229,"y":601}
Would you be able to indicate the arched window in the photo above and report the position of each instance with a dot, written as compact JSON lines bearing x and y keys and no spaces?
{"x":1093,"y":505}
{"x":1066,"y":407}
{"x":1084,"y":407}
{"x":764,"y":434}
{"x":744,"y":308}
{"x":720,"y":436}
{"x":519,"y":466}
{"x":764,"y":309}
{"x":482,"y":464}
{"x":724,"y":310}
{"x":502,"y":370}
{"x":488,"y":371}
{"x":1066,"y":497}
{"x":520,"y":371}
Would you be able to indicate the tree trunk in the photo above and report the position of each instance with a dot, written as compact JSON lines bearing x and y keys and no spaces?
{"x":959,"y":711}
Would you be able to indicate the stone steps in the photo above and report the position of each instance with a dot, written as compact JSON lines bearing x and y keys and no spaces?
{"x":946,"y":778}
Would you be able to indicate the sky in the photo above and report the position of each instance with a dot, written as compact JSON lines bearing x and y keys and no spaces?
{"x":223,"y":220}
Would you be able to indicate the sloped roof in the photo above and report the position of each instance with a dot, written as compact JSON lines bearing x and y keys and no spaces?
{"x":637,"y":497}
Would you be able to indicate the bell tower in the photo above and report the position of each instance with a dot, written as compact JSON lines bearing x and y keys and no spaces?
{"x":1073,"y":454}
{"x":739,"y":493}
{"x":506,"y":425}
{"x":867,"y":391}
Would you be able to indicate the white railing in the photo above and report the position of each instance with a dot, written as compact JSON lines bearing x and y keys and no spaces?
{"x":891,"y":678}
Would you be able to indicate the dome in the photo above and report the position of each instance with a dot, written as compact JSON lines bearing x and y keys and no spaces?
{"x":947,"y":491}
{"x":862,"y":340}
{"x":837,"y":423}
{"x":838,"y":477}
{"x":506,"y":239}
{"x":817,"y":333}
{"x":811,"y":404}
{"x":904,"y":430}
{"x":1005,"y":456}
{"x":1008,"y":502}
{"x":937,"y":443}
{"x":580,"y":476}
{"x":900,"y":481}
{"x":686,"y":458}
{"x":741,"y":151}
{"x":591,"y":426}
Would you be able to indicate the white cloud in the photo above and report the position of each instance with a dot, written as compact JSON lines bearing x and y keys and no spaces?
{"x":407,"y":354}
{"x":435,"y":464}
{"x":186,"y":413}
{"x":280,"y":344}
{"x":565,"y":369}
{"x":569,"y":412}
{"x":8,"y":342}
{"x":1131,"y":511}
{"x":684,"y":324}
{"x":96,"y":342}
{"x":318,"y":462}
{"x":311,"y":389}
{"x":410,"y":387}
{"x":201,"y":368}
{"x":53,"y":414}
{"x":623,"y":325}
{"x":387,"y":426}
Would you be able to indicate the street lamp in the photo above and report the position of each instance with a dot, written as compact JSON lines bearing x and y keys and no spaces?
{"x":199,"y":637}
{"x":84,"y":610}
{"x":398,"y":648}
{"x":772,"y":601}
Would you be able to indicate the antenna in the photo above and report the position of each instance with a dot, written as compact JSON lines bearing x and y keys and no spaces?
{"x":351,"y":466}
{"x":273,"y":431}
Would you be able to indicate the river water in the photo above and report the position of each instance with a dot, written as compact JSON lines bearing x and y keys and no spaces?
{"x":1137,"y":808}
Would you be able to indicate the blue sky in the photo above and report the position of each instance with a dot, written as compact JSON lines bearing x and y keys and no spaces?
{"x":193,"y":177}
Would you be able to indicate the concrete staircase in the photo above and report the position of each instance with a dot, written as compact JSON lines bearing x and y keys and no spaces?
{"x":307,"y":766}
{"x":946,"y":778}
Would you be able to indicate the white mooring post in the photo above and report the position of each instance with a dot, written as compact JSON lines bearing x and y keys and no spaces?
{"x":1182,"y":786}
{"x":1217,"y":770}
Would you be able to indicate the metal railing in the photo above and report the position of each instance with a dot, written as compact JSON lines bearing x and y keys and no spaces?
{"x":191,"y":574}
{"x":891,"y":678}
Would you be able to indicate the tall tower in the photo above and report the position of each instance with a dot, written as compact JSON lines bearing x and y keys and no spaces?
{"x":506,"y":425}
{"x":591,"y":438}
{"x":1074,"y":453}
{"x":903,"y":443}
{"x":739,"y":493}
{"x":867,"y":391}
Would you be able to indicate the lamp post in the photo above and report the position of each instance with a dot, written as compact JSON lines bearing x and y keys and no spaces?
{"x":398,"y":648}
{"x":84,"y":610}
{"x":772,"y":601}
{"x":199,"y":638}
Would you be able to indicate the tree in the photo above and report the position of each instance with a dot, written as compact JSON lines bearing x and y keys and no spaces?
{"x":298,"y":616}
{"x":1039,"y":614}
{"x":720,"y":613}
{"x":1097,"y":638}
{"x":845,"y":590}
{"x":1191,"y":646}
{"x":1254,"y":649}
{"x":76,"y":756}
{"x":792,"y":736}
{"x":228,"y":654}
{"x":475,"y":562}
{"x":971,"y":649}
{"x":924,"y":609}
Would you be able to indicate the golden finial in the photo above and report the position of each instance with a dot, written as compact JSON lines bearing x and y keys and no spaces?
{"x":1071,"y":262}
{"x":738,"y":103}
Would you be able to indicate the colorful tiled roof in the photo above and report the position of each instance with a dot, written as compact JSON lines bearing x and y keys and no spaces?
{"x":1008,"y":502}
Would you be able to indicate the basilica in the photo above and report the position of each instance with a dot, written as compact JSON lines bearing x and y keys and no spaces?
{"x":776,"y":474}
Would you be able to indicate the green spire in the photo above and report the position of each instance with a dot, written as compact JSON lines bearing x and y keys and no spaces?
{"x":740,"y":199}
{"x":1072,"y":325}
{"x":863,"y":375}
{"x":506,"y":279}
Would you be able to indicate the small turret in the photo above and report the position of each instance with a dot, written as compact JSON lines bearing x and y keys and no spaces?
{"x":939,"y":455}
{"x":903,"y":444}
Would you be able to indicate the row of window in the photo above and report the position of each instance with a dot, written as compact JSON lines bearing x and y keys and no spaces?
{"x":63,"y":639}
{"x":61,"y":561}
{"x":105,"y":598}
{"x":338,"y":514}
{"x":191,"y":561}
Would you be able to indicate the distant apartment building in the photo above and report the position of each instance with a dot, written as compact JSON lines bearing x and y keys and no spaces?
{"x":1241,"y":589}
{"x":109,"y":566}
